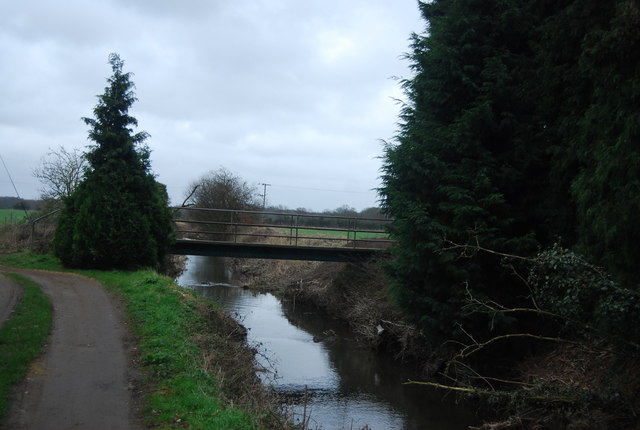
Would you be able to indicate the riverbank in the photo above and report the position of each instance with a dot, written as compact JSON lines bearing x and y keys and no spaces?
{"x":197,"y":371}
{"x":356,"y":293}
{"x":571,"y":385}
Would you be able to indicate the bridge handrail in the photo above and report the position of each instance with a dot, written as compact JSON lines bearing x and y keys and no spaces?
{"x":301,"y":227}
{"x":294,"y":228}
{"x":296,"y":214}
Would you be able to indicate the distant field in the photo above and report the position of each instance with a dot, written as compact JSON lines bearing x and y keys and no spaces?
{"x":8,"y":216}
{"x":334,"y":233}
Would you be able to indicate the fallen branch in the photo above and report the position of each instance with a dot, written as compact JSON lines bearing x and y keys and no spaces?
{"x":472,"y":349}
{"x":481,"y":392}
{"x":477,"y":247}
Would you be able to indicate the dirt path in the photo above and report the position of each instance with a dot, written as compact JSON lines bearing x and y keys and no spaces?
{"x":82,"y":381}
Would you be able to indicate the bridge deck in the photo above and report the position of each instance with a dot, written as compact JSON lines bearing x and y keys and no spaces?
{"x":257,"y":250}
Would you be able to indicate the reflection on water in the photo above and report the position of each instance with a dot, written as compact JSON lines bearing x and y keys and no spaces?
{"x":346,"y":387}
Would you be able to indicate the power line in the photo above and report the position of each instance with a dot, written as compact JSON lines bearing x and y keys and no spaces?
{"x":14,"y":186}
{"x":324,"y":189}
{"x":264,"y":195}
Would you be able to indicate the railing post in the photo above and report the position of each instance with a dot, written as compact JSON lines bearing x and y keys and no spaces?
{"x":234,"y":214}
{"x":291,"y":229}
{"x":355,"y":230}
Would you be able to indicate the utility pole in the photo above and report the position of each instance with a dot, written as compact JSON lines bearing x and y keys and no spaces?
{"x":264,"y":195}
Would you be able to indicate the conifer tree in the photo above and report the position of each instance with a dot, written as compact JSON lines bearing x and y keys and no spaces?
{"x":118,"y":218}
{"x":607,"y":144}
{"x":460,"y":171}
{"x":521,"y":131}
{"x":588,"y":66}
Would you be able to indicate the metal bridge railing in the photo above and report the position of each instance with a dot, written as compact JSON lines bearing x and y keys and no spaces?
{"x":293,"y":229}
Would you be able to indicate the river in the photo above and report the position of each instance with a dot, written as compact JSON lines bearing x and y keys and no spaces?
{"x":313,"y":362}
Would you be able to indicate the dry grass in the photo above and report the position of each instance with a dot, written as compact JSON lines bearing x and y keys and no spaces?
{"x":19,"y":236}
{"x":273,"y":275}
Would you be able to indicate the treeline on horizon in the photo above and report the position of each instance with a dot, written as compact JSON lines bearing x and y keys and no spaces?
{"x":7,"y":202}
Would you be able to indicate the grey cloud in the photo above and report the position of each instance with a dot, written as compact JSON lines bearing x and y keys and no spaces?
{"x":289,"y":92}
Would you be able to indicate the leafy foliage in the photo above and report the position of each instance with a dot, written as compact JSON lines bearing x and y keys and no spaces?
{"x":586,"y":343}
{"x":520,"y":131}
{"x":566,"y":285}
{"x":607,"y":188}
{"x":456,"y":172}
{"x":118,"y":217}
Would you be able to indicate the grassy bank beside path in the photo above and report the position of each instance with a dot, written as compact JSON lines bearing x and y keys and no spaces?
{"x":22,"y":337}
{"x":184,"y":386}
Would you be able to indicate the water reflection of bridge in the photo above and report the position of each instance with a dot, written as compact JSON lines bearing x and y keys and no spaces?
{"x":288,"y":236}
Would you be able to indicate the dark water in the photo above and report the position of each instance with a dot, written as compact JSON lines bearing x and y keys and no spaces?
{"x":345,"y":387}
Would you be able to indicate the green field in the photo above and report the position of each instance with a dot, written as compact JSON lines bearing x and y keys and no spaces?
{"x":332,"y":233}
{"x":11,"y":216}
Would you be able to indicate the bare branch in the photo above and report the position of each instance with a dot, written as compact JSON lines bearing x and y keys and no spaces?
{"x":60,"y":172}
{"x":465,"y":248}
{"x":478,"y":391}
{"x":193,"y":191}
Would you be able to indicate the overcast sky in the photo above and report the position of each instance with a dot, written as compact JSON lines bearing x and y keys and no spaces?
{"x":293,"y":93}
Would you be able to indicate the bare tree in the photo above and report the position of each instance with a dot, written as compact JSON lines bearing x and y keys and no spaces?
{"x":222,"y":189}
{"x":219,"y":189}
{"x":60,"y":172}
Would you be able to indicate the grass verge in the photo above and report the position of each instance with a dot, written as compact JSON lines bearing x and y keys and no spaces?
{"x":22,"y":337}
{"x":198,"y":370}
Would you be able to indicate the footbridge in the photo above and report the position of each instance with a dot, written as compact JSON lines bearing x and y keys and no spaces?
{"x":277,"y":235}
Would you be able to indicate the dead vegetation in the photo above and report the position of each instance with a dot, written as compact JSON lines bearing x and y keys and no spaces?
{"x":357,"y":293}
{"x":604,"y":390}
{"x":38,"y":237}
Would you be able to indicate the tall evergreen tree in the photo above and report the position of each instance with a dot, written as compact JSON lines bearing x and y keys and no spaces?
{"x":461,"y":169}
{"x":118,"y":217}
{"x":587,"y":59}
{"x":607,"y":186}
{"x":521,"y":130}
